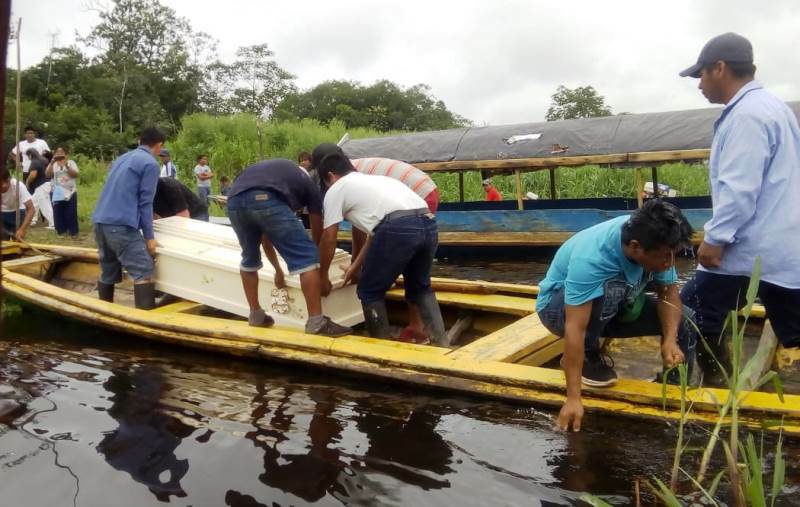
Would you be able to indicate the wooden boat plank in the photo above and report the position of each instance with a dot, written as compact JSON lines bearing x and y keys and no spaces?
{"x":31,"y":261}
{"x":10,"y":248}
{"x":510,"y":343}
{"x":178,"y":307}
{"x":500,"y":303}
{"x":512,"y":377}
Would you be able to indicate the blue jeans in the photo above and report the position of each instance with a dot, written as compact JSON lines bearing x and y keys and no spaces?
{"x":10,"y":221}
{"x":404,"y":246}
{"x":203,"y":193}
{"x":121,"y":246}
{"x":259,"y":212}
{"x":604,"y":321}
{"x":712,"y":296}
{"x":65,"y":215}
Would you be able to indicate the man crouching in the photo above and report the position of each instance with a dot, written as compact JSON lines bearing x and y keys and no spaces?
{"x":595,"y":288}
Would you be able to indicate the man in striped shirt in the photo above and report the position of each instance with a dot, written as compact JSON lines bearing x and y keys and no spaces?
{"x":415,"y":179}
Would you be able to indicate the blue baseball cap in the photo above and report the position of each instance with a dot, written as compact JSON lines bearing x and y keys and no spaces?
{"x":728,"y":47}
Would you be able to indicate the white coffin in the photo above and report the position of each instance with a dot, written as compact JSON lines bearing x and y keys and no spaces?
{"x":199,"y":261}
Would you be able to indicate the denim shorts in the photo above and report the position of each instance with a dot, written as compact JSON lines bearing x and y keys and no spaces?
{"x":121,"y":246}
{"x":260,"y":212}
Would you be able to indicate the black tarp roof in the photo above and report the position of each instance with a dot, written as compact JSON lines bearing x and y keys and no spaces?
{"x":624,"y":133}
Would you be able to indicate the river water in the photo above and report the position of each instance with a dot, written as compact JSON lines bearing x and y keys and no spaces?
{"x":107,"y":420}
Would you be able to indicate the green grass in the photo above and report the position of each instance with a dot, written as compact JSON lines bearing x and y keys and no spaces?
{"x":578,"y":182}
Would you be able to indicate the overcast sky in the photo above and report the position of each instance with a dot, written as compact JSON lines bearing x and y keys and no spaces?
{"x":492,"y":61}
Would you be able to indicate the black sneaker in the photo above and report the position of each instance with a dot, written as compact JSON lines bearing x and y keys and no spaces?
{"x":259,"y":318}
{"x":598,"y":370}
{"x":330,"y":328}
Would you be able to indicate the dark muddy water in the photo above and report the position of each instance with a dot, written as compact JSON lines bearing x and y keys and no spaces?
{"x":105,"y":420}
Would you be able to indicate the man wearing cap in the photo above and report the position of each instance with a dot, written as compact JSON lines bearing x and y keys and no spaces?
{"x":754,"y":168}
{"x":402,"y":240}
{"x":492,"y":194}
{"x":168,"y":169}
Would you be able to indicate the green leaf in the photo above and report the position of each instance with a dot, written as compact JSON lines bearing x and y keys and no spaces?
{"x":664,"y":493}
{"x":595,"y":501}
{"x":777,"y":383}
{"x":699,"y":486}
{"x":779,"y":471}
{"x":712,"y":490}
{"x":752,"y":287}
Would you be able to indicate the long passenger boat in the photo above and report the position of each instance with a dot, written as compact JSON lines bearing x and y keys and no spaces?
{"x":502,"y":350}
{"x":640,"y":141}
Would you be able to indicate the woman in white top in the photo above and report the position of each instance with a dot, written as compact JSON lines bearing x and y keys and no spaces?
{"x":64,"y":173}
{"x":14,"y":196}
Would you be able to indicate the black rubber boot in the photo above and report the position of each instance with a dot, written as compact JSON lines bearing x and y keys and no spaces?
{"x":709,"y":367}
{"x":105,"y":291}
{"x":377,"y":319}
{"x":144,"y":295}
{"x":432,"y":318}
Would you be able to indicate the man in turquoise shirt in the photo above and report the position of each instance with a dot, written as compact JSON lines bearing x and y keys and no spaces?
{"x":595,"y":288}
{"x":754,"y":169}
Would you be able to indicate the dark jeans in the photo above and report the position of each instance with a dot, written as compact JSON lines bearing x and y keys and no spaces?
{"x":604,"y":321}
{"x":65,"y":215}
{"x":712,"y":297}
{"x":121,"y":246}
{"x":400,"y":246}
{"x":10,"y":222}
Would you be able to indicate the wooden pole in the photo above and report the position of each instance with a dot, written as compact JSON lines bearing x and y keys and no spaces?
{"x":518,"y":179}
{"x":460,"y":187}
{"x":553,"y":183}
{"x":639,"y":187}
{"x":654,"y":172}
{"x":16,"y":139}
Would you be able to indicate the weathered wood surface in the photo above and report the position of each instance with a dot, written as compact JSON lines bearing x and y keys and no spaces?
{"x":509,"y":344}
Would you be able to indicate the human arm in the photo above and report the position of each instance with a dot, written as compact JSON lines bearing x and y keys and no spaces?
{"x":315,"y":220}
{"x":32,"y":174}
{"x":327,"y":247}
{"x":148,"y":182}
{"x":272,"y":257}
{"x":30,"y":211}
{"x":353,"y":270}
{"x":670,"y":313}
{"x":49,"y":171}
{"x":72,"y":169}
{"x":736,"y":182}
{"x":576,"y":321}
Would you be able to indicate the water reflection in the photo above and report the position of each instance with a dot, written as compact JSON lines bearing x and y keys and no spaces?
{"x":144,"y":443}
{"x":145,"y":425}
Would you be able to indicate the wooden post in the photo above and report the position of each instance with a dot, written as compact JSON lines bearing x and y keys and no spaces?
{"x":16,"y":139}
{"x":518,"y":178}
{"x":655,"y":181}
{"x":552,"y":183}
{"x":460,"y":186}
{"x":639,"y":187}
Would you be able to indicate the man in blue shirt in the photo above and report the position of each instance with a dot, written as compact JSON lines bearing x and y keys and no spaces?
{"x":125,"y":208}
{"x":595,"y":288}
{"x":754,"y":170}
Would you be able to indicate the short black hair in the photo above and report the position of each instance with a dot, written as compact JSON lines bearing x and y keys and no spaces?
{"x":201,"y":156}
{"x":658,"y":223}
{"x":303,"y":155}
{"x":29,"y":127}
{"x":738,"y":69}
{"x":4,"y":174}
{"x":336,"y":163}
{"x":152,"y":136}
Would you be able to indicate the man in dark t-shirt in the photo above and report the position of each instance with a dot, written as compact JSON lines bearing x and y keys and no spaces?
{"x":174,"y":198}
{"x":261,"y":205}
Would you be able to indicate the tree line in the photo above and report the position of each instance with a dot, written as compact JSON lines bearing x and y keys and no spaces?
{"x":142,"y":64}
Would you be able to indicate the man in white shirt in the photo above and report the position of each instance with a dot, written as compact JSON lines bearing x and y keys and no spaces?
{"x":10,"y":188}
{"x":30,"y":142}
{"x":402,"y":239}
{"x":168,"y":169}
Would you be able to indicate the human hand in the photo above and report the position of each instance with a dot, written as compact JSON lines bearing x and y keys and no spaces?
{"x":279,"y":280}
{"x":709,"y":256}
{"x":20,"y":235}
{"x":571,"y":414}
{"x":326,"y":286}
{"x":151,"y":247}
{"x":350,"y":274}
{"x":671,"y":354}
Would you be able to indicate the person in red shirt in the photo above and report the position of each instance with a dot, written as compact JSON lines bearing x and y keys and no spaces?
{"x":492,"y":194}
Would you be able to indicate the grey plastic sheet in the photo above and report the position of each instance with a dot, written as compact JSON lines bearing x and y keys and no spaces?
{"x":625,"y":133}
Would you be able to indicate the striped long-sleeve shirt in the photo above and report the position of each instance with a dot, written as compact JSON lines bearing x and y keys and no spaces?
{"x":413,"y":178}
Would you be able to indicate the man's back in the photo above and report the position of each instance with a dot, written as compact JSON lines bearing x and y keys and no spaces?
{"x":755,"y":176}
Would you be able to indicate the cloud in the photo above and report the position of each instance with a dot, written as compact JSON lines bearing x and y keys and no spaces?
{"x":493,"y":62}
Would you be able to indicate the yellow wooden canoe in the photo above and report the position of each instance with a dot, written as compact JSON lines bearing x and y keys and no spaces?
{"x":508,"y":354}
